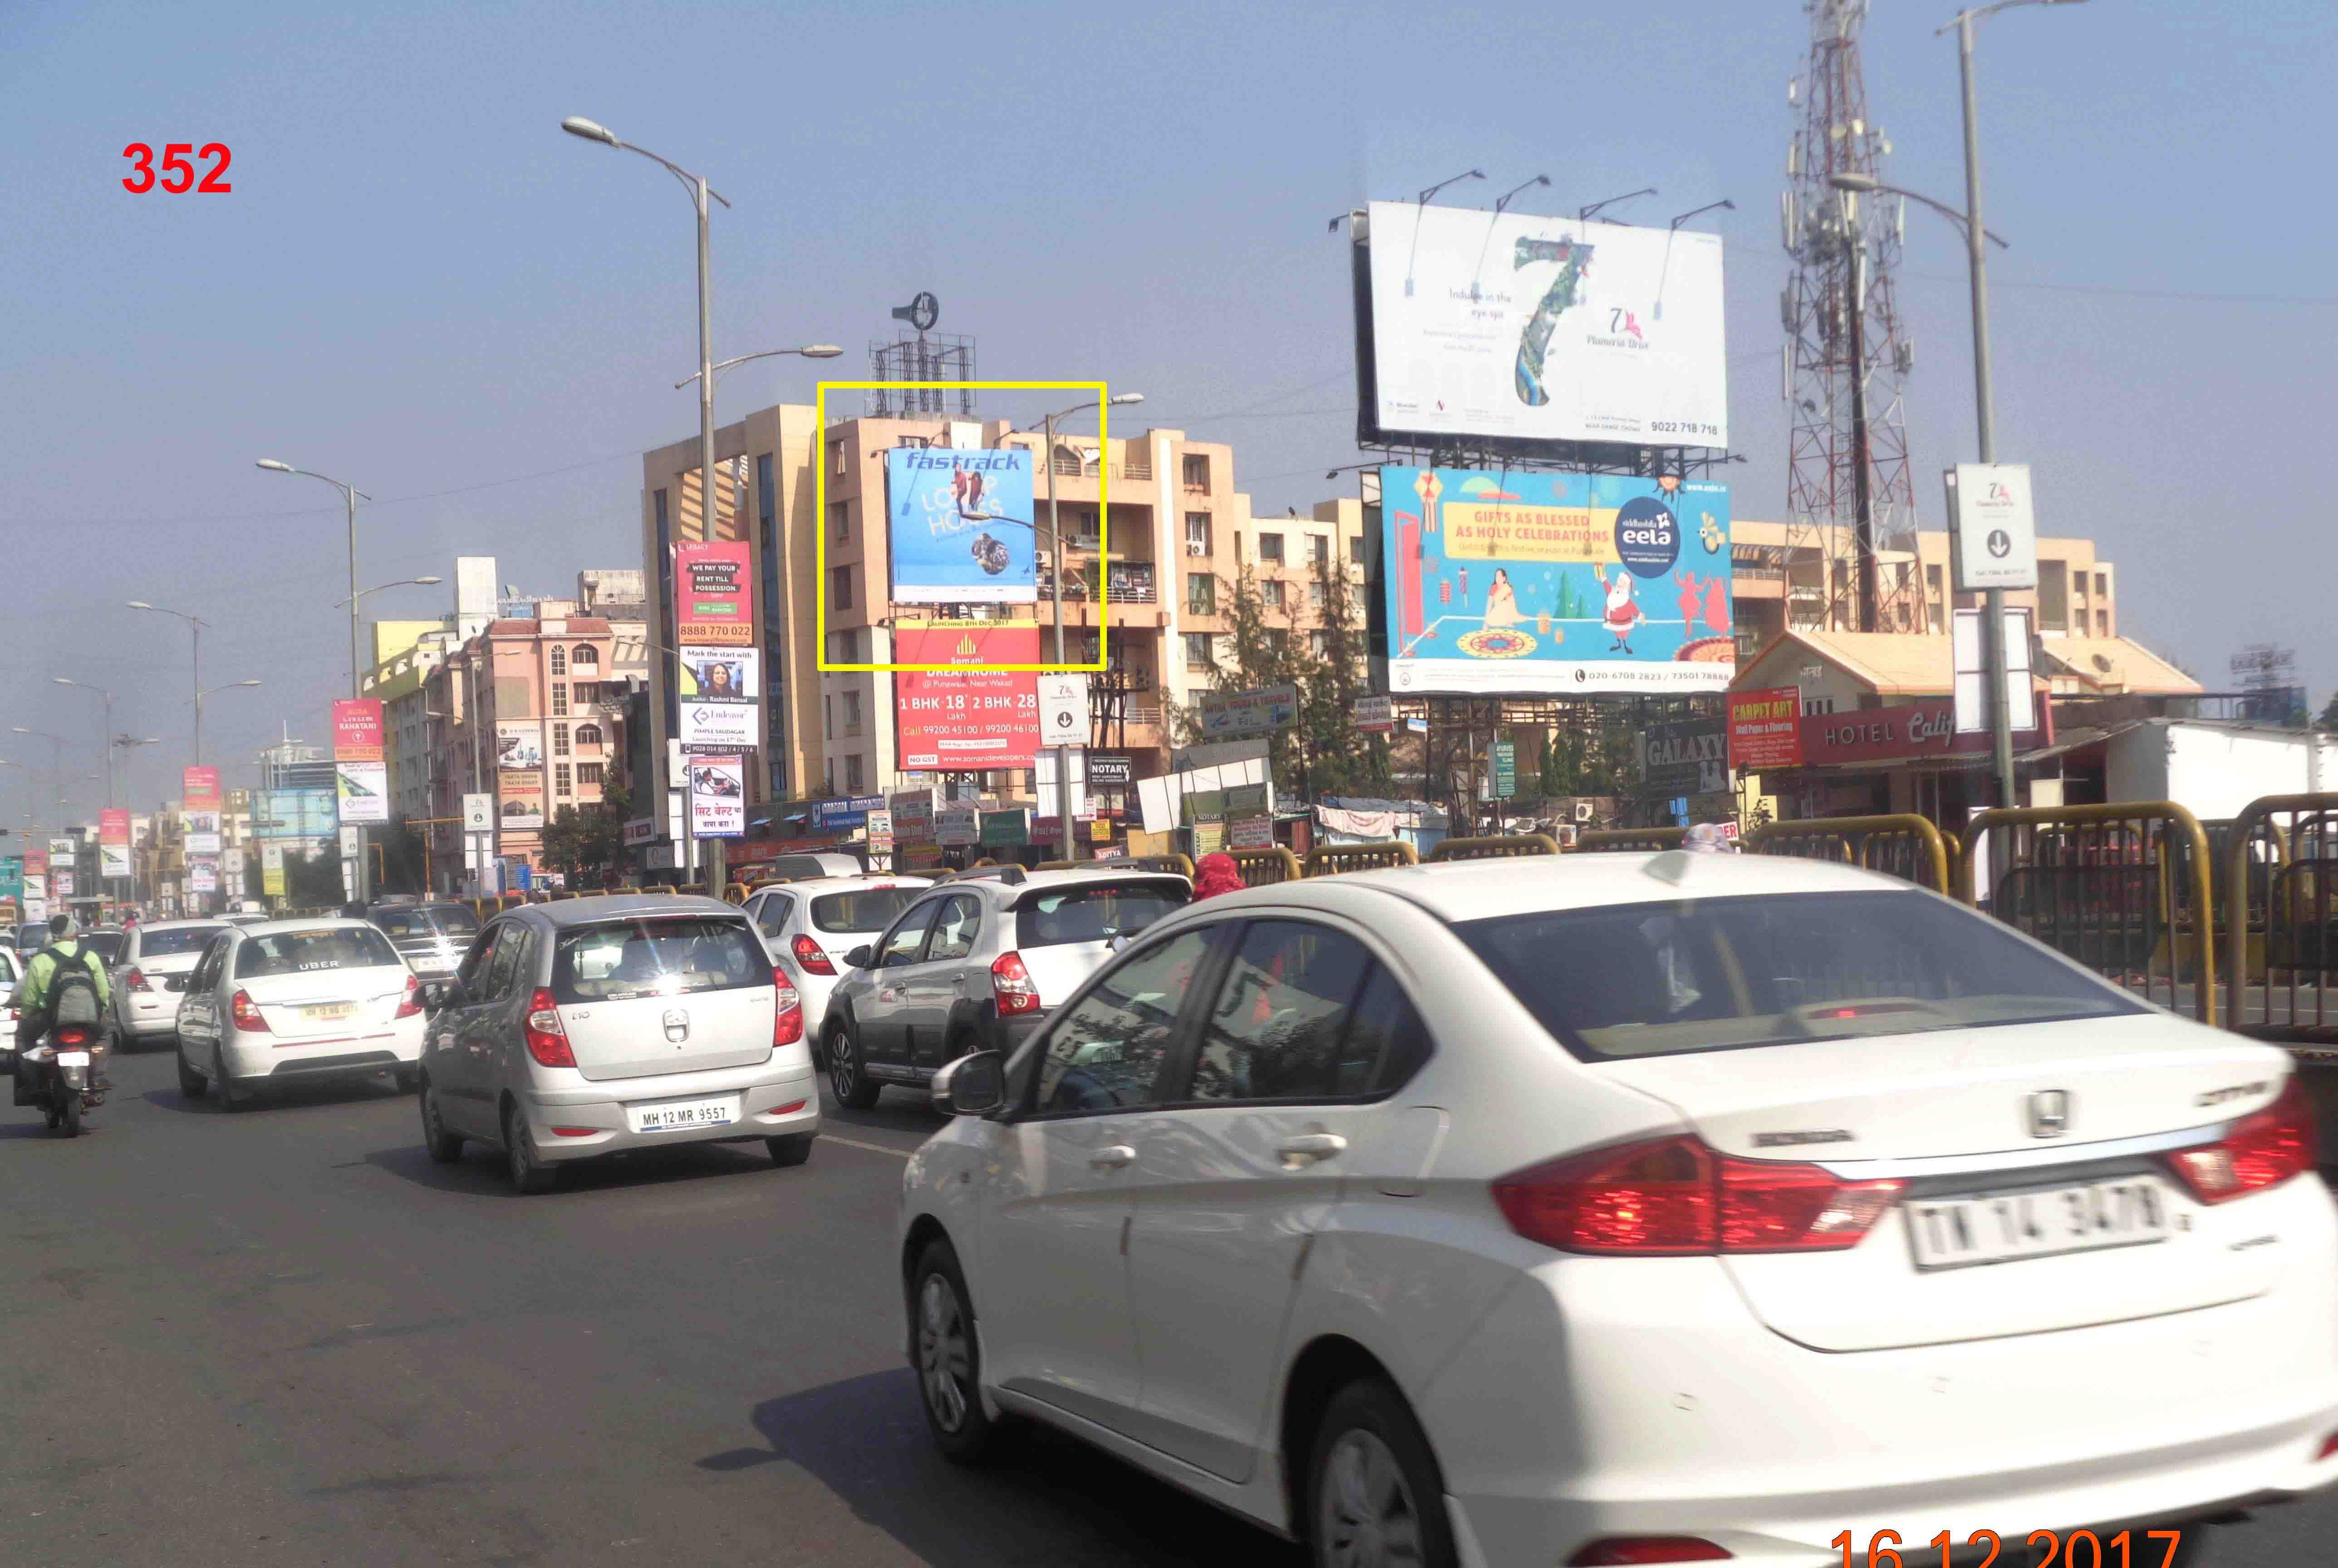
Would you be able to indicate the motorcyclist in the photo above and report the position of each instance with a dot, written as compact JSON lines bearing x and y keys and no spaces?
{"x":35,"y":997}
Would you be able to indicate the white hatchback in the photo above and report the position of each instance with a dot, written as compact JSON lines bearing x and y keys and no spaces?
{"x":809,"y":927}
{"x":288,"y":999}
{"x":1633,"y":1209}
{"x":150,"y":976}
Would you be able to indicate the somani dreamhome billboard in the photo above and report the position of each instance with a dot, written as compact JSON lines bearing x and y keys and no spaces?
{"x":1523,"y":328}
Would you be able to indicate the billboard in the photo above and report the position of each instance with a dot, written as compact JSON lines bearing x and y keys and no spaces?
{"x":357,"y":730}
{"x":113,"y":843}
{"x":1232,"y":715}
{"x":294,"y":813}
{"x":961,"y":525}
{"x":718,"y":797}
{"x":1537,"y":330}
{"x":519,"y":796}
{"x":1684,"y":757}
{"x":710,"y":601}
{"x":963,"y":722}
{"x":199,"y":788}
{"x":720,"y":688}
{"x":362,"y":790}
{"x":202,"y":876}
{"x":271,"y":870}
{"x":1764,"y":730}
{"x":1553,"y":582}
{"x":519,"y":743}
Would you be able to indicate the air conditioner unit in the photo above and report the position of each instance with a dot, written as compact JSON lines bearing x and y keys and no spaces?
{"x":1195,"y":547}
{"x":1583,"y":811}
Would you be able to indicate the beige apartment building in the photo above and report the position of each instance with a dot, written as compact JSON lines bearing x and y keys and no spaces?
{"x":1169,"y":552}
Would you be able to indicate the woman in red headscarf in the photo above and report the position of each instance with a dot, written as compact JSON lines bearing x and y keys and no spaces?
{"x":1215,"y":873}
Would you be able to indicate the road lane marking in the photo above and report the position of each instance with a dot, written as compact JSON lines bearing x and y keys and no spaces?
{"x":872,"y":1148}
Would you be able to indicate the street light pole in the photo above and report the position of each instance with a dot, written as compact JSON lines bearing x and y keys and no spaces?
{"x":195,"y":625}
{"x":2000,"y":718}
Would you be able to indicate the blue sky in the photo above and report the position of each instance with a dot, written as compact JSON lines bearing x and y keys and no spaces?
{"x":420,"y":285}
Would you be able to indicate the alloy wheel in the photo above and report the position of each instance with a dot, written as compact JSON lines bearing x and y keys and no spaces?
{"x":1366,"y":1515}
{"x":945,"y":1359}
{"x":842,"y":1076}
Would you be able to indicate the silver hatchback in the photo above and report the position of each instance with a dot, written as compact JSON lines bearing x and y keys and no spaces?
{"x":597,"y":1025}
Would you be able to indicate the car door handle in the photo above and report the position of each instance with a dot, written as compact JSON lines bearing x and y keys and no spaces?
{"x":1112,"y":1157}
{"x":1306,"y":1148}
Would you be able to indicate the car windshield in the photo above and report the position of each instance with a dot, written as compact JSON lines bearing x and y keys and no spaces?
{"x":862,"y":910}
{"x":1092,"y":913}
{"x":177,"y":939}
{"x":1716,"y":975}
{"x":314,"y":950}
{"x":655,"y":956}
{"x":32,"y":934}
{"x":106,"y":945}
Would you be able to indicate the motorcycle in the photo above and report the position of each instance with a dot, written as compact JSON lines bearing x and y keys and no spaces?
{"x":60,"y":1076}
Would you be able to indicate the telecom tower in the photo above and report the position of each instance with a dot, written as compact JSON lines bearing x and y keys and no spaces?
{"x":1845,"y":359}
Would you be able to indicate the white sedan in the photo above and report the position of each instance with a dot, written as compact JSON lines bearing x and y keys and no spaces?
{"x":289,"y":999}
{"x":1634,"y":1209}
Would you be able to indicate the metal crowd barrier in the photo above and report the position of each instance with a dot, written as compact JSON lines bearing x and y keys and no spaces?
{"x":2111,"y":886}
{"x":1261,"y":868}
{"x":1504,"y":847}
{"x":1629,"y":840}
{"x":1903,"y":845}
{"x":1330,"y":859}
{"x":1175,"y":863}
{"x":2281,"y":956}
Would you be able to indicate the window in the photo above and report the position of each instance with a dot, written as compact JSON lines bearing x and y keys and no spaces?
{"x":2102,"y":622}
{"x":1315,"y":595}
{"x":1319,"y":644}
{"x":1280,"y":1017}
{"x":509,"y":939}
{"x":563,"y":778}
{"x":854,"y":782}
{"x":828,"y":716}
{"x":1270,"y":547}
{"x":1105,"y":1051}
{"x":901,"y":945}
{"x":1201,"y":594}
{"x":1197,"y":651}
{"x":1356,"y":549}
{"x":318,"y":948}
{"x":851,"y":713}
{"x":840,"y":587}
{"x":863,"y":911}
{"x":955,"y":928}
{"x":1093,"y":913}
{"x":1197,"y":471}
{"x":1270,"y":590}
{"x":839,"y":526}
{"x":588,"y":735}
{"x":1775,"y":969}
{"x":836,"y":458}
{"x":662,"y":956}
{"x":559,"y":660}
{"x":585,"y":693}
{"x":1197,"y":533}
{"x":584,"y":656}
{"x":1319,"y":549}
{"x":589,"y":773}
{"x":1278,"y":640}
{"x":2102,"y":584}
{"x":560,"y":739}
{"x":769,"y":913}
{"x":1818,"y":704}
{"x":559,"y":697}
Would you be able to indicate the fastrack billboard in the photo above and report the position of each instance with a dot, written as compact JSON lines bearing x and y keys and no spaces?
{"x":711,"y":601}
{"x":1553,"y":582}
{"x":1523,"y":329}
{"x":963,"y":722}
{"x":961,"y":525}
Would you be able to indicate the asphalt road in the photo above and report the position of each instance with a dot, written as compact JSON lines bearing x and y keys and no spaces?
{"x":282,"y":1336}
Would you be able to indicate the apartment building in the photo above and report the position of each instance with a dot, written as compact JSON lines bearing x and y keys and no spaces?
{"x":1165,"y":559}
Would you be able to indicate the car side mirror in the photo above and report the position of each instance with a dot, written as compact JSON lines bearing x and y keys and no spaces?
{"x":1119,"y":943}
{"x":439,"y":994}
{"x":973,"y":1085}
{"x":860,"y":957}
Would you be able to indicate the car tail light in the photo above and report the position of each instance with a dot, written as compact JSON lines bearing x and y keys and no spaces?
{"x":547,"y":1041}
{"x":136,"y":981}
{"x":1617,"y":1551}
{"x":1011,"y":984}
{"x":2263,"y":1148}
{"x":1675,"y":1197}
{"x":787,"y":1014}
{"x":411,"y":1003}
{"x":811,"y":955}
{"x":2329,"y":1447}
{"x":246,"y":1014}
{"x":70,"y":1035}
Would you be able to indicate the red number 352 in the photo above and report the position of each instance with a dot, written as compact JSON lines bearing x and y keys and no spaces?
{"x":141,"y":178}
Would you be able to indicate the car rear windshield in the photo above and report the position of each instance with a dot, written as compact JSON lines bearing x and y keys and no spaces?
{"x":656,"y":957}
{"x":178,"y":939}
{"x":864,"y":909}
{"x":1719,"y":974}
{"x":1092,"y":913}
{"x":309,"y":952}
{"x":412,"y":920}
{"x":106,"y":945}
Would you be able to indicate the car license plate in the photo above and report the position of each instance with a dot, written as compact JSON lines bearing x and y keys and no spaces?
{"x":72,"y":1058}
{"x":2036,"y":1222}
{"x":330,"y":1010}
{"x":668,"y":1115}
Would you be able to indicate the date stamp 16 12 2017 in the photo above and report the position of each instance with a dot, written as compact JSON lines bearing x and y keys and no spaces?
{"x":2039,"y":1549}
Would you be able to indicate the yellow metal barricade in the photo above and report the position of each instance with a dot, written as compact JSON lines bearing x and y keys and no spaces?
{"x":1261,"y":868}
{"x":1176,"y":864}
{"x":1058,"y":865}
{"x":2280,"y":943}
{"x":1633,"y":839}
{"x":1330,"y":859}
{"x":1507,"y":847}
{"x":1904,"y":846}
{"x":2100,"y":884}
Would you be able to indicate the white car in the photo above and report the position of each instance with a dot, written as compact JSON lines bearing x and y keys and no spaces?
{"x":289,"y":999}
{"x":809,"y":927}
{"x":150,"y":973}
{"x":1633,"y":1209}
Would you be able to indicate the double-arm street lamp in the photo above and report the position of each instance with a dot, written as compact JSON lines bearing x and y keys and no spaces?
{"x":107,"y":699}
{"x":810,"y":352}
{"x":202,"y":694}
{"x":350,"y":496}
{"x":382,"y":587}
{"x":196,"y":625}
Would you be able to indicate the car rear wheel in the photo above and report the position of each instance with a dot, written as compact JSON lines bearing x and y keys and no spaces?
{"x":792,"y":1150}
{"x":1376,"y":1498}
{"x":528,"y":1174}
{"x":950,"y":1359}
{"x":192,"y":1085}
{"x":406,"y":1078}
{"x":444,"y":1147}
{"x":852,"y":1087}
{"x":233,"y":1096}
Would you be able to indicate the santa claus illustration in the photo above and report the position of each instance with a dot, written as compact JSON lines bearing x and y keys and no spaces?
{"x":1624,"y":612}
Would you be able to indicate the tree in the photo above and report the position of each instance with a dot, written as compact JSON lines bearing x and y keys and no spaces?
{"x":314,"y":881}
{"x":2329,"y":720}
{"x":1339,"y":758}
{"x":588,"y":842}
